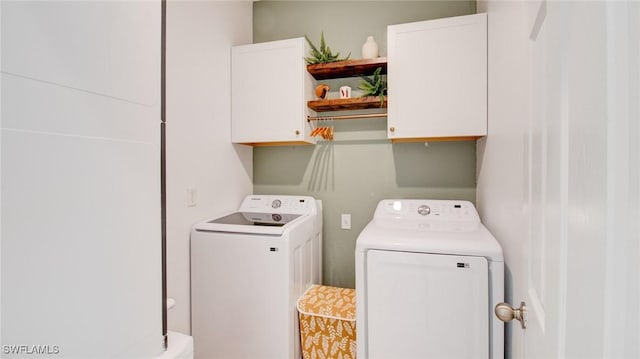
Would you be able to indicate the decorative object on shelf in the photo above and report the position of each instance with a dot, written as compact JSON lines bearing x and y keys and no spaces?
{"x":374,"y":86}
{"x":345,"y":92}
{"x":370,"y":48}
{"x":322,"y":55}
{"x":323,"y":129}
{"x":322,"y":90}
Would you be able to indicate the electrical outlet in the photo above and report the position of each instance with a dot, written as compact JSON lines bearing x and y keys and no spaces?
{"x":345,"y":222}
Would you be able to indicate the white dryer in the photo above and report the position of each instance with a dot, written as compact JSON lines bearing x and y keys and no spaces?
{"x":428,"y":275}
{"x":248,"y":269}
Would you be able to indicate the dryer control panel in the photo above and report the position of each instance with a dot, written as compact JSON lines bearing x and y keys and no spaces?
{"x":428,"y":209}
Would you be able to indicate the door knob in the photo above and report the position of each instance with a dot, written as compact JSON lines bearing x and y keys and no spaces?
{"x":506,"y":313}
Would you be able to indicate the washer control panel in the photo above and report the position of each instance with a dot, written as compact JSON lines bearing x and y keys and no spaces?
{"x":278,"y":204}
{"x":427,"y":209}
{"x":424,"y":210}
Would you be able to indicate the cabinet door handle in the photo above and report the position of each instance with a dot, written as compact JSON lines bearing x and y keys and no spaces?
{"x":392,"y":129}
{"x":297,"y":132}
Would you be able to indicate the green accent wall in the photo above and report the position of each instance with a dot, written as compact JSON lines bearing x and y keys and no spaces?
{"x":350,"y":175}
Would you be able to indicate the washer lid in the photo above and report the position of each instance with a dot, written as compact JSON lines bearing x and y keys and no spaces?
{"x":263,"y":214}
{"x":250,"y":222}
{"x":415,"y":237}
{"x":256,"y":219}
{"x":450,"y":227}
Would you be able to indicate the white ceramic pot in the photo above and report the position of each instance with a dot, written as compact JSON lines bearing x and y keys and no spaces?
{"x":370,"y":49}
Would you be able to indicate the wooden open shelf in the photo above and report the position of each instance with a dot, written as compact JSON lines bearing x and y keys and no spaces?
{"x":341,"y":104}
{"x":349,"y":68}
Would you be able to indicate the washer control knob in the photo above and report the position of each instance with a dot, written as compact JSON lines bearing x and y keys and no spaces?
{"x":276,"y":217}
{"x":276,"y":203}
{"x":424,"y":210}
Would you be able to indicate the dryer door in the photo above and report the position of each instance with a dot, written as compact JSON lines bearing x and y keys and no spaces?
{"x":426,"y":306}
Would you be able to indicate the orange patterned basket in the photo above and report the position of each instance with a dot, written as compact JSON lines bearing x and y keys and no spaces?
{"x":328,"y":323}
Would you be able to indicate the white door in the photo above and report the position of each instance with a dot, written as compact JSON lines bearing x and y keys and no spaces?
{"x":558,"y":179}
{"x":80,"y":179}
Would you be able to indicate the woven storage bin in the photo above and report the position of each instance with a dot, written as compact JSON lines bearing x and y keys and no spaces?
{"x":328,"y":323}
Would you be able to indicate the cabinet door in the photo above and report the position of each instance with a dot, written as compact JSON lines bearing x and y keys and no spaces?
{"x":437,"y":74}
{"x":269,"y":86}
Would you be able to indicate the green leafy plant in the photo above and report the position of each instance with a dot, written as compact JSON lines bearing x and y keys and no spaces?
{"x":374,"y":86}
{"x":322,"y":55}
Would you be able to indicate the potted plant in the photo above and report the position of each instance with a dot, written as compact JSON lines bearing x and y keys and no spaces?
{"x":322,"y":55}
{"x":374,"y":86}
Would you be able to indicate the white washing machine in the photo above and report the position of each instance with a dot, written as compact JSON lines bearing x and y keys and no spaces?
{"x":248,"y":269}
{"x":428,"y":275}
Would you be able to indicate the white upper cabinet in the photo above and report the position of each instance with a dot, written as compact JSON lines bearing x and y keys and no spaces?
{"x":437,"y":75}
{"x":270,"y":86}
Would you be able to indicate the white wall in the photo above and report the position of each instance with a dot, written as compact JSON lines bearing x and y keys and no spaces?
{"x":501,"y":163}
{"x":1,"y":176}
{"x":200,"y":155}
{"x":558,"y":174}
{"x":622,"y":328}
{"x":80,"y":177}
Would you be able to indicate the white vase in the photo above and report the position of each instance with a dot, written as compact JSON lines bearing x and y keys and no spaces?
{"x":370,"y":49}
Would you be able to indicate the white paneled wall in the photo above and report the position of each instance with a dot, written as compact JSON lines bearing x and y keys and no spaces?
{"x":81,"y":261}
{"x":200,"y":155}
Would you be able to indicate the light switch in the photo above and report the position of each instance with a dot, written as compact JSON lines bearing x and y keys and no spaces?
{"x":345,"y":223}
{"x":191,"y":197}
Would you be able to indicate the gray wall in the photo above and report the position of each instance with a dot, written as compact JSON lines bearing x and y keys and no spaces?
{"x":359,"y":169}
